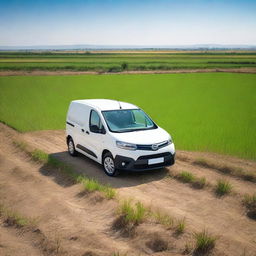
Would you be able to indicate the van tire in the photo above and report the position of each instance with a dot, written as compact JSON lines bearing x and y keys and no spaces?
{"x":71,"y":147}
{"x":108,"y":164}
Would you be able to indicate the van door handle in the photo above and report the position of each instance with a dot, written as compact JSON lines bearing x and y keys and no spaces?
{"x":87,"y":132}
{"x":82,"y":130}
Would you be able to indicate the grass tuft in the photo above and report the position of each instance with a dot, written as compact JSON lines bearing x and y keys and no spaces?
{"x":12,"y":218}
{"x":205,"y":242}
{"x":249,"y":202}
{"x":92,"y":185}
{"x":186,"y":177}
{"x":163,"y":219}
{"x":134,"y":214}
{"x":180,"y":228}
{"x":40,"y":156}
{"x":223,"y":187}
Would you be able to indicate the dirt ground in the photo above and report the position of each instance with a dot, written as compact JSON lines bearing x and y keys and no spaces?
{"x":81,"y":224}
{"x":65,"y":72}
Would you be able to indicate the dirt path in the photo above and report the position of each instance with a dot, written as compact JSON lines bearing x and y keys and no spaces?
{"x":201,"y":208}
{"x":66,"y":72}
{"x":68,"y":213}
{"x":80,"y":224}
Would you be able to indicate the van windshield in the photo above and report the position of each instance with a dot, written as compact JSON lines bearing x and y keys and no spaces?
{"x":128,"y":120}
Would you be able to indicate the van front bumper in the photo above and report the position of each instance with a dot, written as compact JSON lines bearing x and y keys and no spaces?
{"x":142,"y":163}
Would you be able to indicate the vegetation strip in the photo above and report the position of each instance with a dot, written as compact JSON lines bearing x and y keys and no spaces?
{"x":221,"y":188}
{"x":230,"y":170}
{"x":89,"y":184}
{"x":118,"y":62}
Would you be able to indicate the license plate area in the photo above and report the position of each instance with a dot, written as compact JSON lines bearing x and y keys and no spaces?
{"x":155,"y":160}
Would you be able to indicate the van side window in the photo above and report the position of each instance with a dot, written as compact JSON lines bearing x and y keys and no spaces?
{"x":95,"y":123}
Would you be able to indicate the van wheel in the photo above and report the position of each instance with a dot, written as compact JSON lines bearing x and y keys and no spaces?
{"x":71,"y":147}
{"x":109,"y":165}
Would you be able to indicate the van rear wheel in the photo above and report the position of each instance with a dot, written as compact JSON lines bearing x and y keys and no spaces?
{"x":109,"y":165}
{"x":71,"y":147}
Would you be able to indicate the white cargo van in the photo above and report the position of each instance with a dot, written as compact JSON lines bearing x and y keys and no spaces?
{"x":117,"y":135}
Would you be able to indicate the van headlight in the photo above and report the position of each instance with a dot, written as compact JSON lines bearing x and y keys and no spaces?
{"x":170,"y":140}
{"x":125,"y":145}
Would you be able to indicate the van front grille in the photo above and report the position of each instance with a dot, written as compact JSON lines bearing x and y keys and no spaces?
{"x":150,"y":147}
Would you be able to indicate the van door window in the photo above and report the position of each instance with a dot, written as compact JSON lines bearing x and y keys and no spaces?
{"x":95,"y":123}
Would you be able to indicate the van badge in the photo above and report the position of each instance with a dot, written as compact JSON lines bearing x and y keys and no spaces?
{"x":154,"y":147}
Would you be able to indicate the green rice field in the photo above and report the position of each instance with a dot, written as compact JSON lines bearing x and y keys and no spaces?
{"x":117,"y":62}
{"x":213,"y":112}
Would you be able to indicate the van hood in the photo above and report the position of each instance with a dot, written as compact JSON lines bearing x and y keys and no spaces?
{"x":143,"y":137}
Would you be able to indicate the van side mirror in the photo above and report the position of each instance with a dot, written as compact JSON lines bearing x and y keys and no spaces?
{"x":96,"y":129}
{"x":102,"y":130}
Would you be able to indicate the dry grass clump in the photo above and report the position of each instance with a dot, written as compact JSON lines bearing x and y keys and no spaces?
{"x":168,"y":221}
{"x":223,"y":187}
{"x":133,"y":213}
{"x":249,"y":202}
{"x":188,"y":177}
{"x":204,"y":243}
{"x":13,"y":218}
{"x":163,"y":219}
{"x":130,"y":215}
{"x":180,"y":228}
{"x":92,"y":185}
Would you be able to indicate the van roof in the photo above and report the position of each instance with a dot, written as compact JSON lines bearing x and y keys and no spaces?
{"x":105,"y":104}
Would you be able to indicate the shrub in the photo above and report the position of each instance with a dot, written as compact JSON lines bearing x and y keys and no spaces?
{"x":115,"y":69}
{"x":223,"y":187}
{"x":205,"y":242}
{"x":124,"y":66}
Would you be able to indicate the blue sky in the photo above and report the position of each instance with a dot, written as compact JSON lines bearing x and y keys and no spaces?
{"x":134,"y":22}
